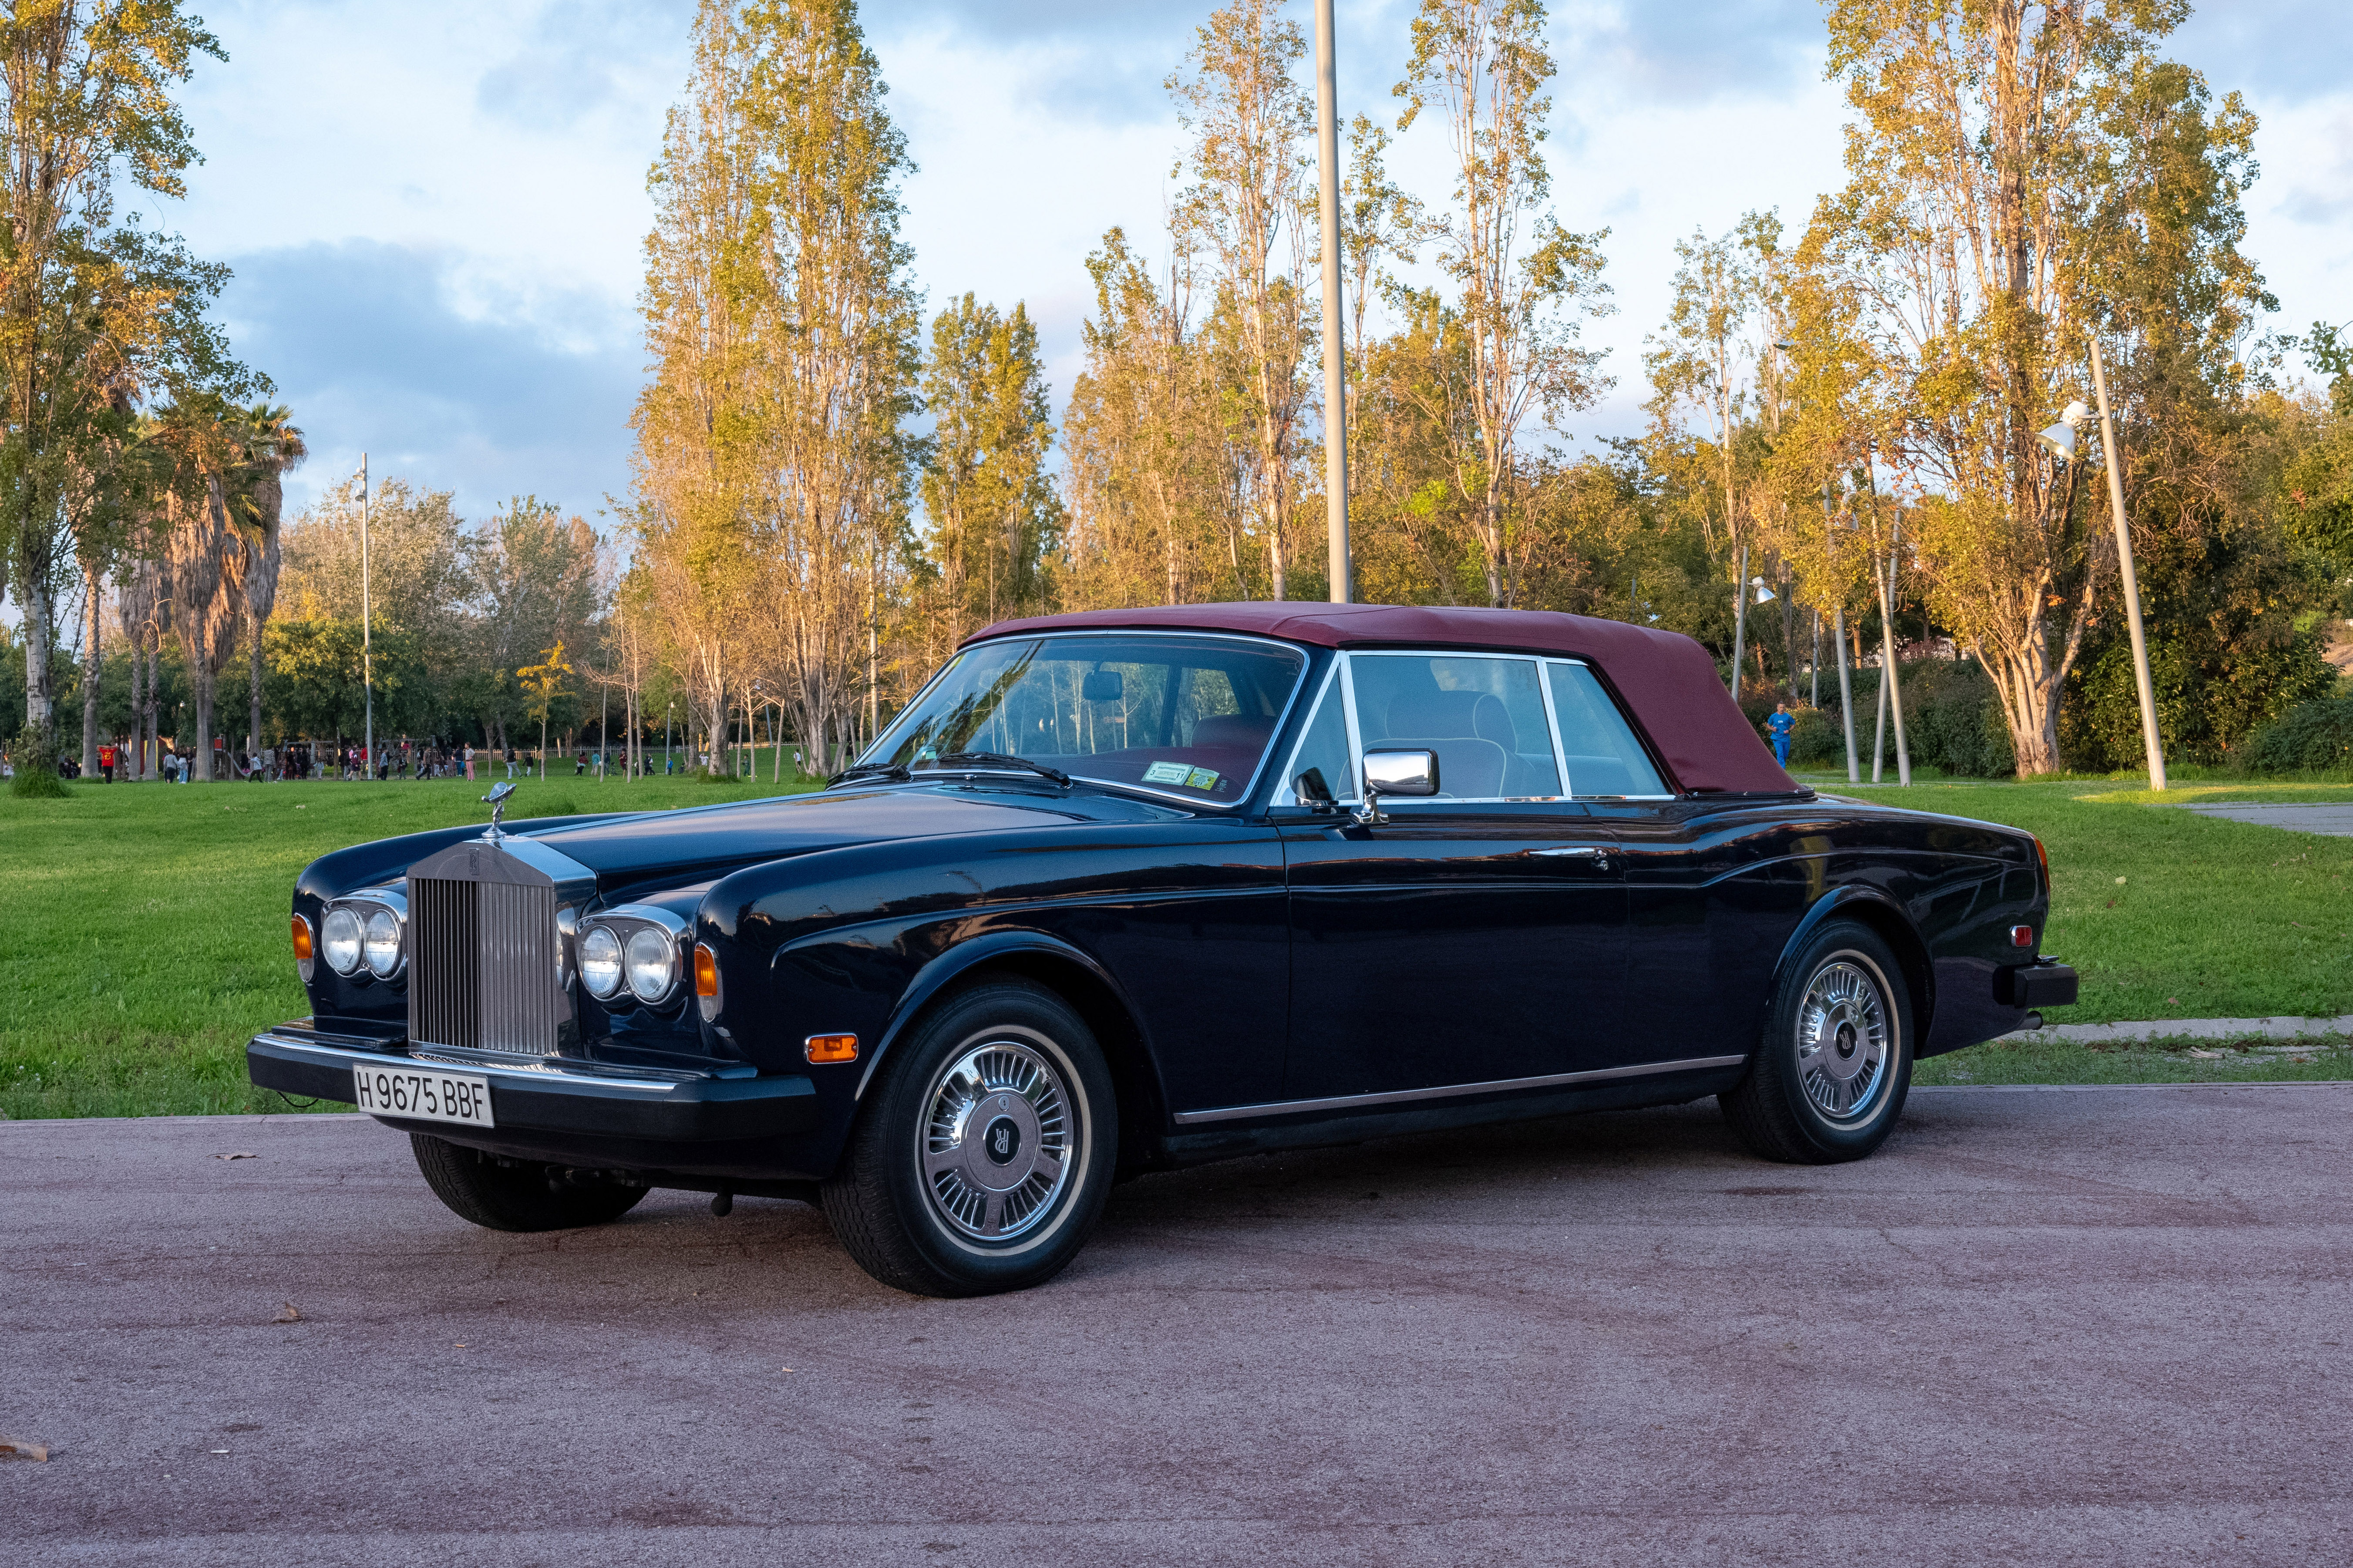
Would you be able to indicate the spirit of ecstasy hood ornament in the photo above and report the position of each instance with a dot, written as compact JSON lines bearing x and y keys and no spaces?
{"x":497,"y":800}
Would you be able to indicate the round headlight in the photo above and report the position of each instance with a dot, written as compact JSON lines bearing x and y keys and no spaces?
{"x":653,"y":964}
{"x":341,"y":936}
{"x":383,"y":943}
{"x":600,"y":962}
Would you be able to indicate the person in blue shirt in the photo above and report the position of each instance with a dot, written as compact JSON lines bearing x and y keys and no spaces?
{"x":1781,"y":724}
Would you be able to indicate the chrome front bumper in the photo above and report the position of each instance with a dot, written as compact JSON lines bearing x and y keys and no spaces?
{"x":554,"y":1099}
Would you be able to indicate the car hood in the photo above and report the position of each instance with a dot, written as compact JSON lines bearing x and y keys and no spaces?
{"x":674,"y":844}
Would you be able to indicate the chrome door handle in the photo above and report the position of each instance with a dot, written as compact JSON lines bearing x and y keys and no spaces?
{"x":1598,"y":854}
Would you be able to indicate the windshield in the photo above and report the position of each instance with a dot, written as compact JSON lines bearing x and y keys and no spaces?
{"x":1187,"y":716}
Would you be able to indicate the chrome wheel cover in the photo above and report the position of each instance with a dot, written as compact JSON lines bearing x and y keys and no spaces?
{"x":995,"y":1146}
{"x":1845,"y":1039}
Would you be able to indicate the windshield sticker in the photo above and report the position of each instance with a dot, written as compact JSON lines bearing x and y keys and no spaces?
{"x":1169,"y":773}
{"x":1201,"y":778}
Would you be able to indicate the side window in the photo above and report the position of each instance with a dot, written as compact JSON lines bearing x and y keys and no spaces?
{"x":1603,"y":756}
{"x":1482,"y":716}
{"x":1323,"y":746}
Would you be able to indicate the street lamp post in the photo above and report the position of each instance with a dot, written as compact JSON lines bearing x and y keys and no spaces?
{"x":2149,"y":738}
{"x":1838,"y":637}
{"x":367,"y":620}
{"x":1336,"y":386}
{"x":2060,"y":441}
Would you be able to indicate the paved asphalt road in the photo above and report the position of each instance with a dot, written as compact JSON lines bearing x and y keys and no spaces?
{"x":2336,"y":821}
{"x":2041,"y":1327}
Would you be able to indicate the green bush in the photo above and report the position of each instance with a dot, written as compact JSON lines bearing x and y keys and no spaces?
{"x":1953,"y":720}
{"x":35,"y":757}
{"x":1815,"y":742}
{"x":2211,"y":698}
{"x":2313,"y":737}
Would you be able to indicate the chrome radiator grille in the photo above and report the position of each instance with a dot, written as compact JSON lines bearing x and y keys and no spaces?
{"x":482,"y":965}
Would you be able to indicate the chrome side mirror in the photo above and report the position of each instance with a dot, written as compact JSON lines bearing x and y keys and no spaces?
{"x":1403,"y":773}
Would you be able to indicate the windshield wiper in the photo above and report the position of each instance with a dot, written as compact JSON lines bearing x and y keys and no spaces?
{"x":998,"y":760}
{"x":891,"y":771}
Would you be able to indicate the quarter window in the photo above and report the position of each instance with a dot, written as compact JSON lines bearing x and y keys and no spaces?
{"x":1596,"y":745}
{"x":1324,"y":747}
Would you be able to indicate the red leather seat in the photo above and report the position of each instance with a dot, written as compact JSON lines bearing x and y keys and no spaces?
{"x":1232,"y":733}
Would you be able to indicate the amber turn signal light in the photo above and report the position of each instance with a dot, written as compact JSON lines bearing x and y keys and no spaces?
{"x":2021,"y":936}
{"x":831,"y":1047}
{"x":302,"y":940}
{"x":706,"y":971}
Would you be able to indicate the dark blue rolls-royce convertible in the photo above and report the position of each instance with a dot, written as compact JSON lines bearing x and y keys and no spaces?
{"x":1132,"y":889}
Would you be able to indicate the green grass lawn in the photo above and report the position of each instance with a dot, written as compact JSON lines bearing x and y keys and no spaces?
{"x":2169,"y":914}
{"x":143,"y":926}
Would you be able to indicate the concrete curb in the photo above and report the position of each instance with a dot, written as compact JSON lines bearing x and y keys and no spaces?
{"x":2134,"y":1088}
{"x":2190,"y":1030}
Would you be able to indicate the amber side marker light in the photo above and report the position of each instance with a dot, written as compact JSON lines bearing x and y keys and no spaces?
{"x":706,"y":972}
{"x":831,"y":1047}
{"x":2043,"y":855}
{"x":302,"y":940}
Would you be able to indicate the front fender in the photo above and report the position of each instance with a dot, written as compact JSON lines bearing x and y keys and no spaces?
{"x":944,"y":970}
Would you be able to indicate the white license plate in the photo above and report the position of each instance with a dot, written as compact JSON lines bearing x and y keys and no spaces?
{"x":423,"y":1094}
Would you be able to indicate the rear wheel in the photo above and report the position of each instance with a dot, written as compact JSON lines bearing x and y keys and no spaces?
{"x":984,"y":1148}
{"x":516,"y":1195}
{"x":1830,"y":1075}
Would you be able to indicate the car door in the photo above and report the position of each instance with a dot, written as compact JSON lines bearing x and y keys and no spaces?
{"x":1691,"y":981}
{"x":1477,"y":937}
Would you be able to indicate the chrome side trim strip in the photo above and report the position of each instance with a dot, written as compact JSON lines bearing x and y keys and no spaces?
{"x":1452,"y":1092}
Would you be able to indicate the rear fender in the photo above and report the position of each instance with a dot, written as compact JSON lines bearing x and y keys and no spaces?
{"x":1873,"y":907}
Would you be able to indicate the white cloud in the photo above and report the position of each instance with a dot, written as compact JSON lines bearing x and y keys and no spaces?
{"x":499,"y":154}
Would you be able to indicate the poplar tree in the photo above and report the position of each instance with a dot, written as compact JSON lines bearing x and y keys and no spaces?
{"x":773,"y":471}
{"x":1246,"y":212}
{"x":984,"y":486}
{"x":1149,"y":482}
{"x":2020,"y":175}
{"x":1698,"y":360}
{"x":1521,"y":281}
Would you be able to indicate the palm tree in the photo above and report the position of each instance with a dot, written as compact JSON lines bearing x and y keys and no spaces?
{"x":211,"y":537}
{"x":272,"y":446}
{"x":143,"y":602}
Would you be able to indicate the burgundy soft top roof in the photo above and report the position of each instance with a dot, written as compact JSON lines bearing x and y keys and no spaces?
{"x":1670,"y":680}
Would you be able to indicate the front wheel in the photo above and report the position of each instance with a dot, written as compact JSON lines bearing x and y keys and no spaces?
{"x":984,"y":1150}
{"x":1829,"y":1076}
{"x":515,"y":1195}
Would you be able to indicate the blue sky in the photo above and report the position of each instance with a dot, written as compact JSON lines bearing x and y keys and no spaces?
{"x":435,"y":209}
